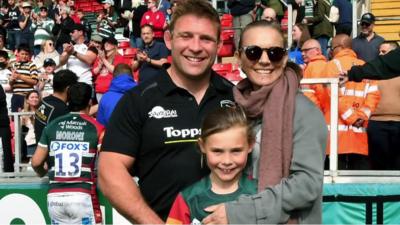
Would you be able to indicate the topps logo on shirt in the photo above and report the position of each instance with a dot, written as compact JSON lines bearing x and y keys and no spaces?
{"x":171,"y":132}
{"x":159,"y":112}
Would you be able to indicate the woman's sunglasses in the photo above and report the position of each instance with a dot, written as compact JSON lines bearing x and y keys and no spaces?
{"x":253,"y":52}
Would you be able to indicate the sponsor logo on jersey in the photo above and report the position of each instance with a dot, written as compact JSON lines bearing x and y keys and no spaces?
{"x":227,"y":103}
{"x":159,"y":112}
{"x":69,"y":145}
{"x":183,"y":133}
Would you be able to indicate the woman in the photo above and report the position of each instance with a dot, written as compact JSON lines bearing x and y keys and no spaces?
{"x":291,"y":137}
{"x":48,"y":51}
{"x":106,"y":20}
{"x":104,"y":65}
{"x":300,"y":35}
{"x":31,"y":104}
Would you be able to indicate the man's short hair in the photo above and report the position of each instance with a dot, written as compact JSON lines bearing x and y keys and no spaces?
{"x":24,"y":47}
{"x":147,"y":25}
{"x":63,"y":79}
{"x":393,"y":44}
{"x":122,"y":69}
{"x":199,"y":8}
{"x":79,"y":96}
{"x":4,"y":54}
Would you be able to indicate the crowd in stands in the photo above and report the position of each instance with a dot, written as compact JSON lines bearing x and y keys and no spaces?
{"x":39,"y":38}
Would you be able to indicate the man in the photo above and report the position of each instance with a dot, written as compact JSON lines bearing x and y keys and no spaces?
{"x":345,"y":23}
{"x":79,"y":57}
{"x":269,"y":14}
{"x":155,"y":126}
{"x":122,"y":82}
{"x":25,"y":23}
{"x":156,"y":19}
{"x":384,"y":124}
{"x":62,"y":27}
{"x":356,"y":102}
{"x":5,"y":134}
{"x":54,"y":106}
{"x":383,"y":67}
{"x":11,"y":23}
{"x":5,"y":74}
{"x":366,"y":44}
{"x":151,"y":57}
{"x":67,"y":151}
{"x":43,"y":26}
{"x":315,"y":63}
{"x":241,"y":11}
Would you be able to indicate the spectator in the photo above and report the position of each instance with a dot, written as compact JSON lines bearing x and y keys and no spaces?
{"x":322,"y":29}
{"x":86,"y":24}
{"x":138,"y":12}
{"x":78,"y":57}
{"x":226,"y":142}
{"x":104,"y":65}
{"x":5,"y":74}
{"x":356,"y":102}
{"x":151,"y":57}
{"x":47,"y":52}
{"x":315,"y":64}
{"x":384,"y":124}
{"x":290,"y":137}
{"x":345,"y":23}
{"x":12,"y":25}
{"x":71,"y":202}
{"x":300,"y":35}
{"x":62,"y":28}
{"x":5,"y":134}
{"x":96,"y":42}
{"x":31,"y":105}
{"x":145,"y":118}
{"x":122,"y":82}
{"x":74,"y":15}
{"x":269,"y":14}
{"x":242,"y":15}
{"x":45,"y":84}
{"x":3,"y":47}
{"x":366,"y":44}
{"x":25,"y":24}
{"x":156,"y":19}
{"x":43,"y":26}
{"x":277,"y":6}
{"x":36,"y":8}
{"x":23,"y":78}
{"x":382,"y":68}
{"x":54,"y":105}
{"x":106,"y":21}
{"x":163,"y":6}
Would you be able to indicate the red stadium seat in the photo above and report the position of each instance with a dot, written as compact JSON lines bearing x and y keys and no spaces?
{"x":124,"y":44}
{"x":130,"y":52}
{"x":227,"y":35}
{"x":222,"y":68}
{"x":227,"y":50}
{"x":226,"y":21}
{"x":234,"y":76}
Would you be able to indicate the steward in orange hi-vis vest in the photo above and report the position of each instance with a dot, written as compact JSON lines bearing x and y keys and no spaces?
{"x":356,"y":102}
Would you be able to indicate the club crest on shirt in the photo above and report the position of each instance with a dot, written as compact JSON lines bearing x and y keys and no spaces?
{"x":159,"y":112}
{"x":227,"y":103}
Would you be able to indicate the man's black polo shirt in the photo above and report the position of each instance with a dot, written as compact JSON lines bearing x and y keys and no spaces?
{"x":367,"y":50}
{"x":158,"y":124}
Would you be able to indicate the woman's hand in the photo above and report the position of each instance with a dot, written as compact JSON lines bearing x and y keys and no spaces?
{"x":217,"y":216}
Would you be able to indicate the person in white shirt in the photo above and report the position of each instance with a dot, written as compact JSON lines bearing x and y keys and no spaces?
{"x":79,"y":57}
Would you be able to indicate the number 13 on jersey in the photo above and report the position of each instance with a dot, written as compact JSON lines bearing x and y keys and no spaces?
{"x":68,"y":157}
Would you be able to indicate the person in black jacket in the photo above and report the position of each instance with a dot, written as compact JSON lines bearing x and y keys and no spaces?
{"x":382,"y":68}
{"x":62,"y":28}
{"x":241,"y":11}
{"x":5,"y":133}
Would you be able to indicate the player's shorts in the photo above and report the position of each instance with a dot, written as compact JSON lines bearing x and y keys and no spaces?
{"x":70,"y":208}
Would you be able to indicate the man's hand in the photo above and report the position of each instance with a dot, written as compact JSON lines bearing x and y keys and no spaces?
{"x":141,"y":56}
{"x":358,"y":123}
{"x":343,"y":78}
{"x":217,"y":216}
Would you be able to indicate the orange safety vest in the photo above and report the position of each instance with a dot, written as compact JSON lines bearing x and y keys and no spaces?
{"x":356,"y":101}
{"x":314,"y":69}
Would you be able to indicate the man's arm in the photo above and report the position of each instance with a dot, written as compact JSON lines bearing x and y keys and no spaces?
{"x":119,"y":188}
{"x":87,"y":58}
{"x":382,"y":68}
{"x":39,"y":159}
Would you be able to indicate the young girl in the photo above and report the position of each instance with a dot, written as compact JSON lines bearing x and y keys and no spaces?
{"x":226,"y":141}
